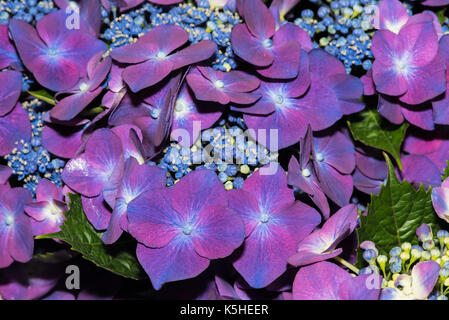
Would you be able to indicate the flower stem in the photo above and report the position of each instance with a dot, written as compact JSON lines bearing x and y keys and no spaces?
{"x":347,"y":264}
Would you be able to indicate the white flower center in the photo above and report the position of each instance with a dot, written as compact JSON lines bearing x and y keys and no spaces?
{"x":267,"y":43}
{"x":306,"y":172}
{"x":219,"y":84}
{"x":9,"y":220}
{"x":83,"y":87}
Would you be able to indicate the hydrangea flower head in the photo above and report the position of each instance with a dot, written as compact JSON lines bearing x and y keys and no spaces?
{"x":407,"y":64}
{"x":47,"y":211}
{"x":321,"y":244}
{"x":85,"y":91}
{"x":334,"y":161}
{"x":274,"y":225}
{"x":223,"y":87}
{"x":56,"y":55}
{"x":137,"y":179}
{"x":189,"y":222}
{"x":276,"y":53}
{"x":153,"y":54}
{"x":332,"y":93}
{"x":97,"y":171}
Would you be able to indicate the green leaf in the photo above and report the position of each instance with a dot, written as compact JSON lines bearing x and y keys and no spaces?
{"x":441,"y":15}
{"x":446,"y":171}
{"x":370,"y":128}
{"x":43,"y":95}
{"x":118,"y":258}
{"x":394,"y":215}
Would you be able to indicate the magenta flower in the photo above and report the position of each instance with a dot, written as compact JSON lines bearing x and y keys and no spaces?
{"x":276,"y":53}
{"x":16,"y":236}
{"x":321,"y":244}
{"x":407,"y":64}
{"x":97,"y":172}
{"x":153,"y":54}
{"x":274,"y":225}
{"x":334,"y":161}
{"x":223,"y":87}
{"x":440,"y":200}
{"x":8,"y":54}
{"x":9,"y":90}
{"x":14,"y":126}
{"x":327,"y":281}
{"x":416,"y":286}
{"x":85,"y":91}
{"x":47,"y":211}
{"x":55,"y":55}
{"x":303,"y":175}
{"x":332,"y":94}
{"x":137,"y":179}
{"x":190,"y":223}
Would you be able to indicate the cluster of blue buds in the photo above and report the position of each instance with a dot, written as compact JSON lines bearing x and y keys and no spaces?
{"x":400,"y":260}
{"x":29,"y":160}
{"x":27,"y":10}
{"x":343,"y":28}
{"x":224,"y":149}
{"x":201,"y":22}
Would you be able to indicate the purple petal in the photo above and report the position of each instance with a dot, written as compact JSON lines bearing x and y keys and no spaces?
{"x":194,"y":53}
{"x":97,"y":211}
{"x":421,"y":116}
{"x":336,"y":150}
{"x":8,"y":55}
{"x":136,"y":76}
{"x":440,"y":201}
{"x":364,"y":287}
{"x":336,"y":186}
{"x":319,"y":281}
{"x":152,"y":220}
{"x":220,"y":231}
{"x":187,"y":196}
{"x":258,"y":18}
{"x":136,"y":180}
{"x":62,"y":141}
{"x":320,"y":244}
{"x":69,"y":107}
{"x":420,"y":169}
{"x":290,"y":31}
{"x":162,"y":270}
{"x":426,"y":83}
{"x":286,"y":61}
{"x":391,"y":15}
{"x":249,"y":48}
{"x":424,"y":277}
{"x":390,"y":109}
{"x":14,"y":126}
{"x":10,"y":90}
